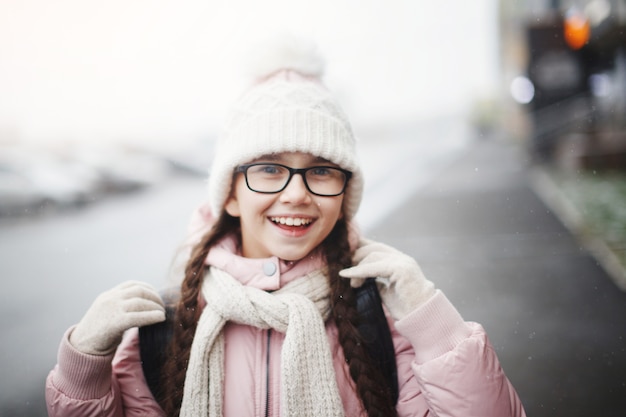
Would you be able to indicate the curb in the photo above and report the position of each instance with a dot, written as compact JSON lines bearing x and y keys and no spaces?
{"x":547,"y":190}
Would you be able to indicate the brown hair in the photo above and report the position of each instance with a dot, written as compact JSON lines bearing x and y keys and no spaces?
{"x":374,"y":394}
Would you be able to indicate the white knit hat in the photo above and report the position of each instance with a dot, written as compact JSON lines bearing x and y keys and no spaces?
{"x":288,"y":109}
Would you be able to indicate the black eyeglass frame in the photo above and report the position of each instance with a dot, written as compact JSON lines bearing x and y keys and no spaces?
{"x":292,"y":171}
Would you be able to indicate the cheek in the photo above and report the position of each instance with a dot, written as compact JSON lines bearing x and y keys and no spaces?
{"x":333,"y":209}
{"x":245,"y":203}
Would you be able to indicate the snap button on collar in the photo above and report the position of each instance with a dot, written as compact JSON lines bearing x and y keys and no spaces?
{"x":269,"y":268}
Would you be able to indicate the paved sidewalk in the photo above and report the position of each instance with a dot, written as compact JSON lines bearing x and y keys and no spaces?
{"x":591,"y":207}
{"x":556,"y":319}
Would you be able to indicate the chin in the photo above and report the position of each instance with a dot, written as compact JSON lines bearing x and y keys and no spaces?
{"x":292,"y":256}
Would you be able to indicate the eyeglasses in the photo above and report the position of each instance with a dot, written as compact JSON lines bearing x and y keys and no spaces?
{"x":274,"y":178}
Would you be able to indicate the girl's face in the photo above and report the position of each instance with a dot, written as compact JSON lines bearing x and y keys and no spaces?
{"x":288,"y":224}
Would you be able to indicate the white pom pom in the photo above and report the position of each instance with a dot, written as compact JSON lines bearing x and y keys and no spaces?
{"x":285,"y":52}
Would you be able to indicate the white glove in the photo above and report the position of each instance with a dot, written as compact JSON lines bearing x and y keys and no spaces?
{"x":131,"y":304}
{"x":401,"y":283}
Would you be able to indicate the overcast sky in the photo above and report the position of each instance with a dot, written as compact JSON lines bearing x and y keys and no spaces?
{"x":162,"y":71}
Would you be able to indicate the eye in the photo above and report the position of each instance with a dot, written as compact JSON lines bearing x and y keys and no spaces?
{"x":269,"y":169}
{"x":266,"y":169}
{"x":321,"y":171}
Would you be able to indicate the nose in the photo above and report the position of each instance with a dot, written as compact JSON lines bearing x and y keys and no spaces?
{"x":296,"y":191}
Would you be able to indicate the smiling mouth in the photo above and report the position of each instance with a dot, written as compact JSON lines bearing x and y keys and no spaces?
{"x":292,"y":221}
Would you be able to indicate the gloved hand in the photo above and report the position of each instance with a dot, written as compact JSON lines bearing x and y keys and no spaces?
{"x":401,"y":283}
{"x":130,"y":304}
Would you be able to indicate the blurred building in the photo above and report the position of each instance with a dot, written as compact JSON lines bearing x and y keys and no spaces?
{"x":564,"y":65}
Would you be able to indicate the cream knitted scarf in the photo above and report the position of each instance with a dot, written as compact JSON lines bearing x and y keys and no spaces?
{"x":308,"y":384}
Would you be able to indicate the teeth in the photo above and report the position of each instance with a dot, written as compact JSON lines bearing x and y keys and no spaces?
{"x":291,"y":221}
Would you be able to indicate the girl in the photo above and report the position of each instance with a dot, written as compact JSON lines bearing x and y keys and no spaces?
{"x":266,"y":323}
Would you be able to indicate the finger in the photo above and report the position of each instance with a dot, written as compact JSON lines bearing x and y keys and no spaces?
{"x":364,"y":242}
{"x":132,"y":283}
{"x":143,"y":318}
{"x":150,"y":294}
{"x":357,"y":282}
{"x":141,"y":304}
{"x":141,"y":290}
{"x":383,"y":283}
{"x":372,"y":249}
{"x":368,"y":270}
{"x":353,"y":272}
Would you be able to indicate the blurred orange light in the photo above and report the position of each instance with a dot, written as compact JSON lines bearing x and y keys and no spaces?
{"x":576,"y":30}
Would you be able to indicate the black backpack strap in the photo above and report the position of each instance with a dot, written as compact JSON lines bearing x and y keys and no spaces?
{"x":153,"y":343}
{"x":373,"y":327}
{"x":374,"y":330}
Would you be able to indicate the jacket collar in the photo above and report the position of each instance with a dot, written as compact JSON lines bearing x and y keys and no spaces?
{"x":267,"y":274}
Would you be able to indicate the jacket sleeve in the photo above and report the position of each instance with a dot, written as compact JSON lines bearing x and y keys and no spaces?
{"x":105,"y":386}
{"x":448,"y":368}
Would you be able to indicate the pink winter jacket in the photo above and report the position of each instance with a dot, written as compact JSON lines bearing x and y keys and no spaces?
{"x":446,"y":367}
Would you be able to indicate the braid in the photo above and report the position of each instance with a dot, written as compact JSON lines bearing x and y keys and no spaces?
{"x":374,"y":395}
{"x":187,"y":315}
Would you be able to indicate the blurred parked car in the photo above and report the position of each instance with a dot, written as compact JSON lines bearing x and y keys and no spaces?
{"x":121,"y":170}
{"x":32,"y":184}
{"x":17,"y":194}
{"x":32,"y":179}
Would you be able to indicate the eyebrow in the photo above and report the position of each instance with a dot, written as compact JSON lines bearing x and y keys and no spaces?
{"x":267,"y":157}
{"x":272,"y":157}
